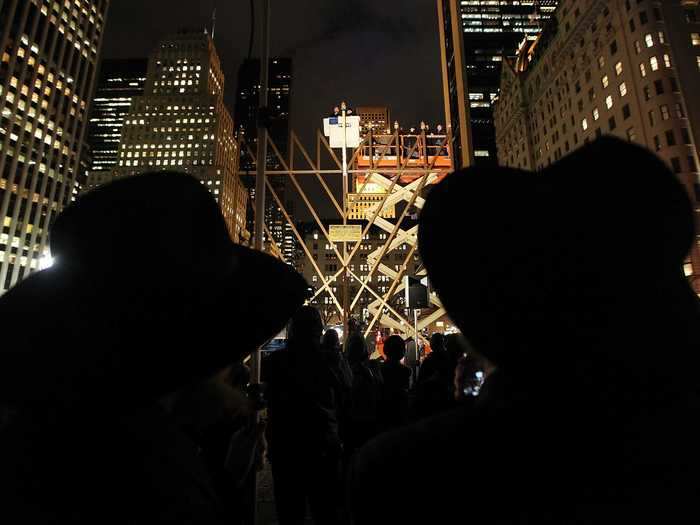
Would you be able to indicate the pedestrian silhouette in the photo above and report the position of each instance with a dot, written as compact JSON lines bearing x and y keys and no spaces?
{"x":573,"y":289}
{"x":467,"y":369}
{"x":305,"y":448}
{"x":338,"y":365}
{"x":434,"y":391}
{"x":366,"y":397}
{"x":131,"y":313}
{"x":396,"y":378}
{"x":437,"y":362}
{"x":412,"y":359}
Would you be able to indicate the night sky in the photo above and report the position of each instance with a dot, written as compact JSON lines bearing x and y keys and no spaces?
{"x":364,"y":51}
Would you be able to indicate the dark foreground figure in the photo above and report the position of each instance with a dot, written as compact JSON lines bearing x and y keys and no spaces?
{"x":396,"y":381}
{"x":572,"y":287}
{"x":305,"y":447}
{"x":148,"y":298}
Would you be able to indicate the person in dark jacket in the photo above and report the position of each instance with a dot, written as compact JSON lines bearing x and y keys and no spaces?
{"x":211,"y":413}
{"x":436,"y":363}
{"x":101,"y":344}
{"x":434,"y":391}
{"x":304,"y":445}
{"x":366,"y":397}
{"x":338,"y":364}
{"x":396,"y":379}
{"x":590,"y":414}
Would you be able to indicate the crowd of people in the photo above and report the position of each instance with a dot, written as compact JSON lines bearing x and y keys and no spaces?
{"x":124,"y":398}
{"x":342,"y":399}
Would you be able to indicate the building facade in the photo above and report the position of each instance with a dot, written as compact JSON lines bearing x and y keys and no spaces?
{"x":475,"y":36}
{"x":319,"y":253}
{"x":278,"y":104}
{"x":375,"y":118}
{"x":182,"y":124}
{"x":49,"y":53}
{"x":619,"y":67}
{"x":119,"y":81}
{"x":280,"y":241}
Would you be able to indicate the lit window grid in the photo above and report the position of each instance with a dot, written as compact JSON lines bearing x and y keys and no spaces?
{"x":186,"y":132}
{"x":324,"y":257}
{"x":608,"y":100}
{"x":29,"y":54}
{"x":109,"y":109}
{"x":533,"y":138}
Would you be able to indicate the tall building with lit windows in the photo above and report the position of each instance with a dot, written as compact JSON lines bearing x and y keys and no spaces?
{"x":375,"y":118}
{"x":280,"y":242}
{"x":318,"y":263}
{"x":119,"y":81}
{"x":182,"y":124}
{"x":49,"y":52}
{"x":475,"y":36}
{"x":278,"y":103}
{"x":618,"y":67}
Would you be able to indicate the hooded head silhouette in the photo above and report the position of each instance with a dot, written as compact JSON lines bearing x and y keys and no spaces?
{"x":575,"y":270}
{"x":148,"y":290}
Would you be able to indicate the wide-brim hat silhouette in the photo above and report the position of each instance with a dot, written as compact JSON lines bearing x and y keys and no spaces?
{"x":147,"y":293}
{"x":532,"y":266}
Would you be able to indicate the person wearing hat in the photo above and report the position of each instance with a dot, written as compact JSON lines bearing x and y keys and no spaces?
{"x":305,"y":404}
{"x":148,"y":295}
{"x":570,"y":282}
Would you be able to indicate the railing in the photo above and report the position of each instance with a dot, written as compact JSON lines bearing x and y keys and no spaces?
{"x":405,"y":149}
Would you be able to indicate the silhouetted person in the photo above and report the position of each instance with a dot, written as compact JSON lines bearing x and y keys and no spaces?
{"x":573,"y":288}
{"x":412,"y":359}
{"x":217,"y":415}
{"x":333,"y":354}
{"x":434,"y":391}
{"x":437,"y":362}
{"x":366,"y":397}
{"x":101,"y":344}
{"x":396,"y":378}
{"x":303,"y":435}
{"x":338,"y":364}
{"x":456,"y":346}
{"x":458,"y":349}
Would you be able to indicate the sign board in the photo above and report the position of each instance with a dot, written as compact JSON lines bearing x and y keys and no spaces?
{"x":339,"y":136}
{"x":345,"y":233}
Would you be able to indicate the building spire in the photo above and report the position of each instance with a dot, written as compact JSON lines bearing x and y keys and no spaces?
{"x":213,"y":24}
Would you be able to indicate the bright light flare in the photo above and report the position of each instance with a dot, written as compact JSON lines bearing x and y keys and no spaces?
{"x":46,"y":262}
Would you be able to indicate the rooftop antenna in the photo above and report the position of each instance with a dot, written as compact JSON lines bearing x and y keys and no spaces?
{"x":213,"y":23}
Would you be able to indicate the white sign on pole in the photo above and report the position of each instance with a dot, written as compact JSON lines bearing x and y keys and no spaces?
{"x":345,"y":233}
{"x":333,"y":129}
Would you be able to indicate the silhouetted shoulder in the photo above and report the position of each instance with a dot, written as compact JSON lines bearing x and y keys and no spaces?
{"x":421,"y":459}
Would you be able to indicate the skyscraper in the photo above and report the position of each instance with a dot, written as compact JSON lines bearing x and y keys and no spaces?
{"x":182,"y":124}
{"x":375,"y":118}
{"x":49,"y":53}
{"x":278,"y":103}
{"x":632,"y":70}
{"x":475,"y":36}
{"x":118,"y":83}
{"x":283,"y":242}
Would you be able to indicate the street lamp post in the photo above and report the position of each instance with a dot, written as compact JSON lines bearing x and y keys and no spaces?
{"x":344,"y":108}
{"x":261,"y":161}
{"x":261,"y":165}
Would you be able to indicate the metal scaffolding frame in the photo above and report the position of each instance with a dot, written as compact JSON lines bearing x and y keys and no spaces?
{"x":402,"y":165}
